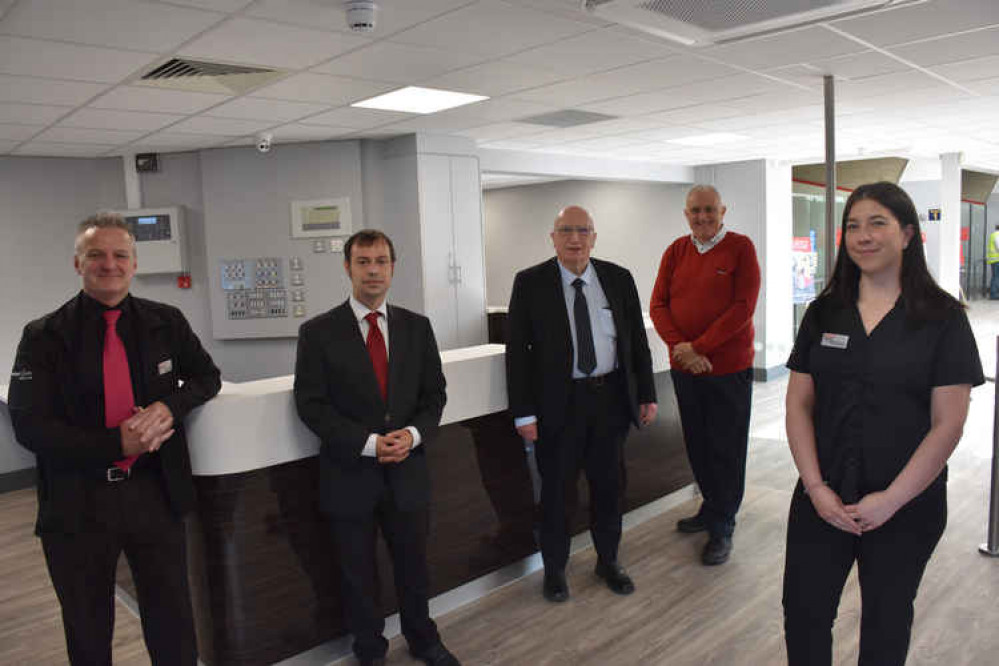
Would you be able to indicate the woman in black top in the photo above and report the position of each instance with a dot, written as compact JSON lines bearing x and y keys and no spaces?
{"x":882,"y":371}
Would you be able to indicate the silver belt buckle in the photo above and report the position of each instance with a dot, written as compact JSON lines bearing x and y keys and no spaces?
{"x":116,"y":474}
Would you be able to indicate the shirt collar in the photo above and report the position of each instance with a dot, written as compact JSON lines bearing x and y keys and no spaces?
{"x":588,"y":275}
{"x":361,"y":310}
{"x":707,"y":245}
{"x":94,"y":308}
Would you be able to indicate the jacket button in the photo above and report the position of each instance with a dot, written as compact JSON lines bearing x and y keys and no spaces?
{"x":388,"y":417}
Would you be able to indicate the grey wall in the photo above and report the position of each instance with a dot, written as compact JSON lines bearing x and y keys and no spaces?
{"x":635,"y":223}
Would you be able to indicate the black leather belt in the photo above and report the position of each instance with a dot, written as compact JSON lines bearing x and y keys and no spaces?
{"x":115,"y":474}
{"x":597,"y":382}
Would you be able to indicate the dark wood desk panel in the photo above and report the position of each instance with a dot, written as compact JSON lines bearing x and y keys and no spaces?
{"x":264,"y":571}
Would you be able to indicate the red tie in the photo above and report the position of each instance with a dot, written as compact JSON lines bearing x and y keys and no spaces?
{"x":376,"y":350}
{"x":119,"y":401}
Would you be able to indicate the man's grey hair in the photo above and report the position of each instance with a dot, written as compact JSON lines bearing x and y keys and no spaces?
{"x":102,"y":221}
{"x":701,"y":187}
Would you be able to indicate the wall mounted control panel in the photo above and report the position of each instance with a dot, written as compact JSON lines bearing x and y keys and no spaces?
{"x":255,"y":288}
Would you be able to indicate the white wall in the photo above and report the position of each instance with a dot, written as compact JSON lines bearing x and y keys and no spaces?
{"x":635,"y":222}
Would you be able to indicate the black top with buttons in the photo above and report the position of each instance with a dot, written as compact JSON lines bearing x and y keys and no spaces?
{"x":872,"y":392}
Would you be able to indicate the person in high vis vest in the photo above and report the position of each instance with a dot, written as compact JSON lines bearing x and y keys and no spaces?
{"x":992,"y":257}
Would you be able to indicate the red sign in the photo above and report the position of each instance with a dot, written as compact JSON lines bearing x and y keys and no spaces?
{"x":801,"y":244}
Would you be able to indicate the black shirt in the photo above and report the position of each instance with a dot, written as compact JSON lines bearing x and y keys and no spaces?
{"x":872,"y":392}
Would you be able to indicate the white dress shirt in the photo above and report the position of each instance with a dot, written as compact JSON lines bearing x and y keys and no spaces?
{"x":360,"y":312}
{"x":708,"y":244}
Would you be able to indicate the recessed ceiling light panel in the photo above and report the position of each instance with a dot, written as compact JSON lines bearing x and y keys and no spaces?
{"x":413,"y":99}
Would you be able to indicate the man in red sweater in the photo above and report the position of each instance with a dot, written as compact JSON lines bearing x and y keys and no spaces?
{"x":702,"y":307}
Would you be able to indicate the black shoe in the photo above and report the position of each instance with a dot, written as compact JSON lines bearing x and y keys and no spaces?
{"x":717,"y":550}
{"x":616,"y":577}
{"x":555,"y":588}
{"x":691,"y":525}
{"x":377,"y":661}
{"x":437,"y":655}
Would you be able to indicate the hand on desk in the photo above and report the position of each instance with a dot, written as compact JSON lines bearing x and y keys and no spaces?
{"x":394,"y":447}
{"x":147,"y":429}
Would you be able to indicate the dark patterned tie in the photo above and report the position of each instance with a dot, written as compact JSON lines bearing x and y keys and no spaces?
{"x":119,"y":400}
{"x":377,"y":352}
{"x":586,"y":355}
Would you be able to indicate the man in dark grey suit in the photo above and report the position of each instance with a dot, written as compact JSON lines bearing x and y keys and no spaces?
{"x":579,"y":373}
{"x":368,"y":382}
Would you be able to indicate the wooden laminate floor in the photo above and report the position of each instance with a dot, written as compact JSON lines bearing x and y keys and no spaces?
{"x":681,"y":614}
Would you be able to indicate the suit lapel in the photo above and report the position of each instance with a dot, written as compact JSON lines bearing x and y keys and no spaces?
{"x":611,"y":293}
{"x":560,"y":313}
{"x":397,"y":357}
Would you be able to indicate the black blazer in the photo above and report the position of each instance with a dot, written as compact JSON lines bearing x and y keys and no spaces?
{"x":338,"y":398}
{"x":61,"y":420}
{"x":539,"y":344}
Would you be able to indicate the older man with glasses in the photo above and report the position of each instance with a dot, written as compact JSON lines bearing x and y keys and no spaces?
{"x":579,"y":373}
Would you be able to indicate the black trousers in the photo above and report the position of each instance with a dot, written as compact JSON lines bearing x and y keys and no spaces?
{"x":890,"y":563}
{"x":133,"y":517}
{"x":406,"y":536}
{"x":591,"y":439}
{"x":714,"y":414}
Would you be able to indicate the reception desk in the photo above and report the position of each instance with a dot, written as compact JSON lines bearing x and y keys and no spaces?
{"x":263,"y":568}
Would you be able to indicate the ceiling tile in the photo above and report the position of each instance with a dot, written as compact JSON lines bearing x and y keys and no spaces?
{"x":42,"y":149}
{"x":694,"y":114}
{"x":978,"y":44}
{"x":35,"y":57}
{"x":214,"y":5}
{"x":877,"y":86}
{"x":32,"y":90}
{"x":494,"y":78}
{"x":169,"y":140}
{"x":969,"y":70}
{"x":256,"y":108}
{"x":494,"y":110}
{"x":322,"y":88}
{"x":254,"y":42}
{"x":803,"y":45}
{"x":221,"y":126}
{"x":122,"y":120}
{"x":125,"y":24}
{"x":398,"y":63}
{"x":920,"y":21}
{"x":349,"y":116}
{"x":591,"y":52}
{"x":17,"y":132}
{"x":492,"y":29}
{"x":300,"y":132}
{"x":7,"y":146}
{"x":393,"y":15}
{"x":80,"y":135}
{"x":855,"y":66}
{"x":434,"y":122}
{"x":139,"y":98}
{"x":30,"y":114}
{"x":498,"y":131}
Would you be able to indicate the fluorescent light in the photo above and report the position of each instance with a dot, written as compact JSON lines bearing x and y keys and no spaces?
{"x":714,"y":139}
{"x":413,"y":99}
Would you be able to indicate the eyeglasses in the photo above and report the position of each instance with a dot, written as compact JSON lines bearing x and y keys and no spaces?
{"x":568,"y":231}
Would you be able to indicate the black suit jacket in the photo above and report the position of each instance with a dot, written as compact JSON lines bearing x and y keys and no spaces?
{"x":539,"y":344}
{"x":338,"y":398}
{"x":59,"y":417}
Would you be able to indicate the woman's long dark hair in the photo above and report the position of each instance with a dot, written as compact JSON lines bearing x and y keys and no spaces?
{"x":923,"y":298}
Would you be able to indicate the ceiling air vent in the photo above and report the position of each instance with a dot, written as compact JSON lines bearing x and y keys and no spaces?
{"x":566,"y":118}
{"x":204,"y":76}
{"x":700,"y":23}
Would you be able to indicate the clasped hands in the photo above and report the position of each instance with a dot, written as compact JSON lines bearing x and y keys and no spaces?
{"x":394,"y":447}
{"x":146,"y":430}
{"x":870,"y":513}
{"x":689,"y":360}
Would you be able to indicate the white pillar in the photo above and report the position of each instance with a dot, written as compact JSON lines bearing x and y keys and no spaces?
{"x":949,"y":275}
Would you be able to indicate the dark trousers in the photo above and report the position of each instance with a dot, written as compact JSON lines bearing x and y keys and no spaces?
{"x":595,"y":430}
{"x":994,"y":283}
{"x":714,"y":414}
{"x":890,"y":563}
{"x":133,"y":517}
{"x":406,"y":536}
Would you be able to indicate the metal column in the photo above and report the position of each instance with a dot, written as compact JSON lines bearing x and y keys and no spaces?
{"x":991,"y":547}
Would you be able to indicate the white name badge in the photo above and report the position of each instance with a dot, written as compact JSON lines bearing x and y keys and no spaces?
{"x":835,"y":340}
{"x":164,"y":366}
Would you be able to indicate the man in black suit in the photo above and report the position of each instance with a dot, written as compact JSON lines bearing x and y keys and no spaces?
{"x":99,"y":392}
{"x":368,"y":382}
{"x":579,"y":373}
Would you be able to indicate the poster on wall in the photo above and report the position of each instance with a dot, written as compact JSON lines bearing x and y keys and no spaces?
{"x":804,"y":263}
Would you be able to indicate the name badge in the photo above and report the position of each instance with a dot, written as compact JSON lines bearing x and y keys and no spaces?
{"x":164,"y":367}
{"x":835,"y":340}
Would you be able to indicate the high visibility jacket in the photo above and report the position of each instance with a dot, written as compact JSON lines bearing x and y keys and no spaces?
{"x":992,"y":256}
